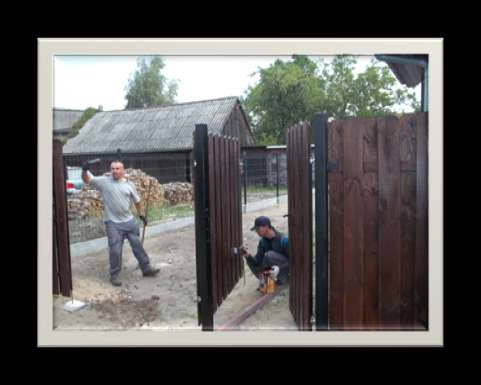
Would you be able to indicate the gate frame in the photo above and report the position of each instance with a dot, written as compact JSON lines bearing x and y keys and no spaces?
{"x":319,"y":126}
{"x":205,"y":308}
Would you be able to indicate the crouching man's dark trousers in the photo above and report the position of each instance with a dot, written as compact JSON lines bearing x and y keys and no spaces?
{"x":116,"y":233}
{"x":271,"y":258}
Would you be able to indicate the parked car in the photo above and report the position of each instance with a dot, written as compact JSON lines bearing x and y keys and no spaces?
{"x":74,"y":180}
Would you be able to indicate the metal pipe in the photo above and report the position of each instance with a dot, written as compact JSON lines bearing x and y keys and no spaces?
{"x":425,"y":88}
{"x":277,"y":177}
{"x":402,"y":60}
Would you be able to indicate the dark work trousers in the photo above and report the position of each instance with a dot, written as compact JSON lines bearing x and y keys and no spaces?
{"x":116,"y":233}
{"x":271,"y":258}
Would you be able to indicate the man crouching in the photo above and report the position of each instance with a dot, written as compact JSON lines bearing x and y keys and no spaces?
{"x":272,"y":251}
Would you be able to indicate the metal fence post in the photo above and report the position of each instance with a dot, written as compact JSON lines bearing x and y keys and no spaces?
{"x":277,"y":177}
{"x":202,"y":234}
{"x":245,"y":181}
{"x":319,"y":126}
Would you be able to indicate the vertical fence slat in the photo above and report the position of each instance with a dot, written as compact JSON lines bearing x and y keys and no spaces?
{"x":336,"y":226}
{"x":408,"y":219}
{"x":225,"y":205}
{"x":370,"y":196}
{"x":422,"y":193}
{"x":212,"y":220}
{"x":389,"y":221}
{"x":353,"y":226}
{"x":240,"y":241}
{"x":300,"y":225}
{"x":61,"y":219}
{"x":233,"y":207}
{"x":289,"y":218}
{"x":231,"y":217}
{"x":56,"y":285}
{"x":218,"y":214}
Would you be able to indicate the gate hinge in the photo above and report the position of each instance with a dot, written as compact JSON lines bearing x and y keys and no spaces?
{"x":313,"y":320}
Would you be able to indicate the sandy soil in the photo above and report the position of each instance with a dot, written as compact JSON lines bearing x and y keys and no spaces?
{"x":168,"y":300}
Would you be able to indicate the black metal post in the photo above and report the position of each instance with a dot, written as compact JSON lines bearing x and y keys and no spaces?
{"x":187,"y":169}
{"x":245,"y":181}
{"x":277,"y":177}
{"x":202,"y":237}
{"x":319,"y":126}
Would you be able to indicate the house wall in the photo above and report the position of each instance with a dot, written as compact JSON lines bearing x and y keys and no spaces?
{"x":166,"y":167}
{"x":237,"y":126}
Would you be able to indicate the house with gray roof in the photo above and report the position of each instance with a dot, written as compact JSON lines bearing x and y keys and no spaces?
{"x":63,"y":120}
{"x":157,"y":140}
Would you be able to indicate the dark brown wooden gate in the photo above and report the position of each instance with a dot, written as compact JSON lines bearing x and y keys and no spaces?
{"x":378,"y":223}
{"x":218,"y":211}
{"x":62,"y":273}
{"x":300,"y":224}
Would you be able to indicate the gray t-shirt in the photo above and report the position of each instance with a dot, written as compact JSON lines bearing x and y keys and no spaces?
{"x":117,"y":197}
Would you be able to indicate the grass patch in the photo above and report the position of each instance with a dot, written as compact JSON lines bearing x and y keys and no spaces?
{"x":266,"y":189}
{"x":167,"y":212}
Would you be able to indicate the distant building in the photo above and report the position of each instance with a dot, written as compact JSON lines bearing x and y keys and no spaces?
{"x":158,"y":140}
{"x":63,"y":120}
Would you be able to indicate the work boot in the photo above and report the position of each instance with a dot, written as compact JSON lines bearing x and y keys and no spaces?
{"x":116,"y":281}
{"x":151,"y":272}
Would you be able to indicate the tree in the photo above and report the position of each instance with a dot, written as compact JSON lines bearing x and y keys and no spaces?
{"x":86,"y":115}
{"x":295,"y":90}
{"x":372,"y":93}
{"x":148,"y":87}
{"x":286,"y":93}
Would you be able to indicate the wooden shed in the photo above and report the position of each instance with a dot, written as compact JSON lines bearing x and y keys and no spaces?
{"x":156,"y":140}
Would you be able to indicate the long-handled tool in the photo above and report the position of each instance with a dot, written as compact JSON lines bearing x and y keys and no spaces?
{"x":146,"y":212}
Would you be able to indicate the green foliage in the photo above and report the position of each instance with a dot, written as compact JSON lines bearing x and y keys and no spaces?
{"x":291,"y":91}
{"x":86,"y":115}
{"x":148,"y":87}
{"x":286,"y":93}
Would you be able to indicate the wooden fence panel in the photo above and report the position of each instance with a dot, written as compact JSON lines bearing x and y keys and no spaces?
{"x":218,"y":220}
{"x":378,"y":223}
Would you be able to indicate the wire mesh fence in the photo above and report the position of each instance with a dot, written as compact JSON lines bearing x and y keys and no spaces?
{"x":164,"y":184}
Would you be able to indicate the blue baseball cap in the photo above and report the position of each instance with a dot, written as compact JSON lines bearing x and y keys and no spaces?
{"x":261,"y":221}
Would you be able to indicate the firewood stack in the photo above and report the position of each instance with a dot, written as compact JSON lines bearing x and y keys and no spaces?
{"x":141,"y":181}
{"x":85,"y":204}
{"x":178,"y":192}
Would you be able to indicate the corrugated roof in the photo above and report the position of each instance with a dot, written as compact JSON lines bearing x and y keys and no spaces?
{"x":150,"y":130}
{"x":64,"y":119}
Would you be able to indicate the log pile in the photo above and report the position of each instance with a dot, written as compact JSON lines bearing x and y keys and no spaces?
{"x":178,"y":192}
{"x":141,"y":181}
{"x":85,"y":204}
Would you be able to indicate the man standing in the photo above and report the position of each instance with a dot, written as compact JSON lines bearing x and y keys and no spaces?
{"x":272,"y":251}
{"x":118,"y":194}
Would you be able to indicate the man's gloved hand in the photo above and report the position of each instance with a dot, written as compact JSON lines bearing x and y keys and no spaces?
{"x":243,"y":251}
{"x":143,"y":219}
{"x":85,"y":166}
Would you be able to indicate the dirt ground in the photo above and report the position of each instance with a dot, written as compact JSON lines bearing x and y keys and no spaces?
{"x":167,"y":301}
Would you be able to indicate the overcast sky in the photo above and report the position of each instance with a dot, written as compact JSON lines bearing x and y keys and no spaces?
{"x":90,"y":81}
